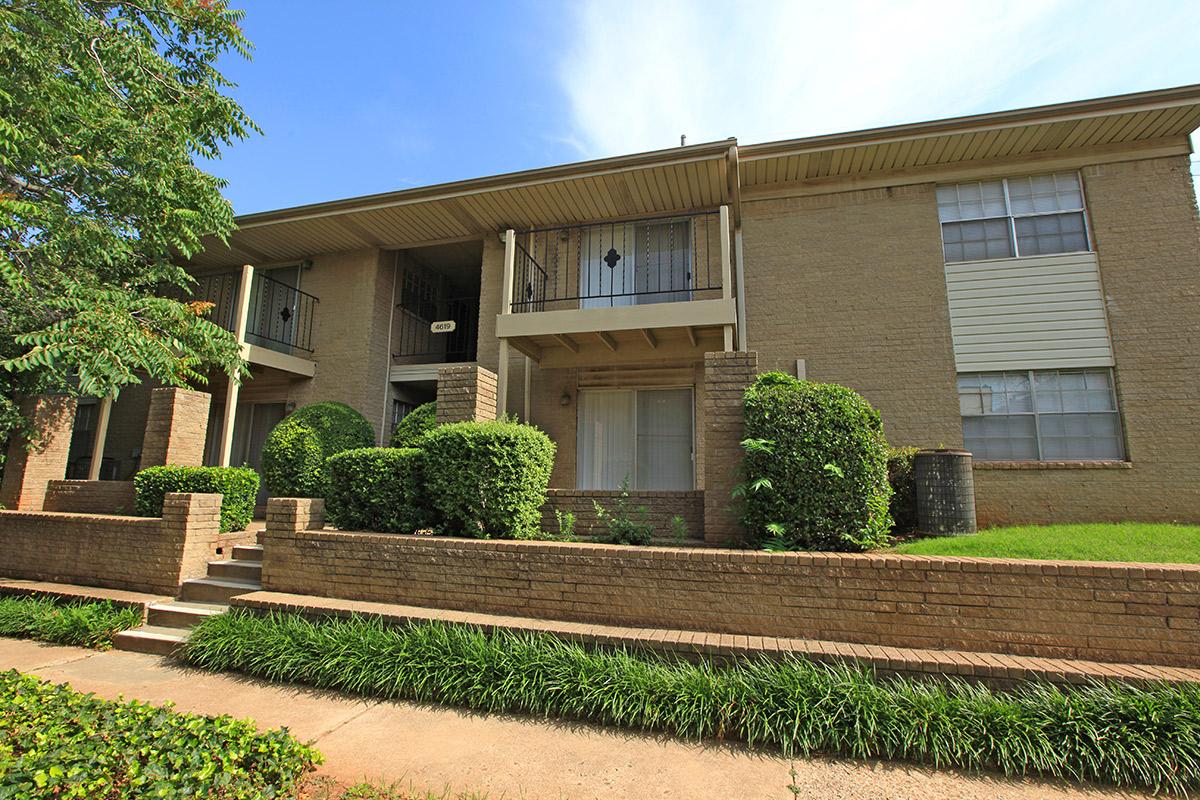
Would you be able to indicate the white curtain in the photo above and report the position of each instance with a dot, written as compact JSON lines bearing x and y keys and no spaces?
{"x":605,"y":443}
{"x":664,"y":440}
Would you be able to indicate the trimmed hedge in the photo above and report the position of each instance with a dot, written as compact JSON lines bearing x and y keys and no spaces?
{"x":1126,"y":735}
{"x":83,"y":624}
{"x":58,"y":743}
{"x":377,"y":489}
{"x":488,"y":479}
{"x":815,"y":467}
{"x":903,"y":506}
{"x":412,"y":429}
{"x":294,"y":453}
{"x":238,"y":487}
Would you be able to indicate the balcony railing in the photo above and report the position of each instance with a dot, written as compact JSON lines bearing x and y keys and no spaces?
{"x":280,"y":316}
{"x":418,"y":343}
{"x":634,"y":262}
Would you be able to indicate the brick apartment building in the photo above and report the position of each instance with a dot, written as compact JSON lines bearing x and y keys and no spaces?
{"x":1023,"y":284}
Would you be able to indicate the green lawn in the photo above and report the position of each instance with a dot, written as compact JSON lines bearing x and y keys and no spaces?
{"x":1125,"y":541}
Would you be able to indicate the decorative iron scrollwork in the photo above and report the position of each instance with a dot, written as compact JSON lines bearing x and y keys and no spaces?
{"x":612,"y":257}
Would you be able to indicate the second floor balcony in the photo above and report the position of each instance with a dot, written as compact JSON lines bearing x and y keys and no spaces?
{"x":636,"y":287}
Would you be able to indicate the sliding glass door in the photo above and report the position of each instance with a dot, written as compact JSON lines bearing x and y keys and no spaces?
{"x":640,"y":436}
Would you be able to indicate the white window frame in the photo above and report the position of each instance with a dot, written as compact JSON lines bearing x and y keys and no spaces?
{"x":1037,"y":423}
{"x":1012,"y":218}
{"x":633,"y":477}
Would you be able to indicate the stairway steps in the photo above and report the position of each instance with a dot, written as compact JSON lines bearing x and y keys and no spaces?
{"x":154,"y":639}
{"x":236,"y":569}
{"x":215,"y":590}
{"x":248,"y":552}
{"x":182,"y":614}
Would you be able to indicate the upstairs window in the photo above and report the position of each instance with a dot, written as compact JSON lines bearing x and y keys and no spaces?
{"x":1012,"y":217}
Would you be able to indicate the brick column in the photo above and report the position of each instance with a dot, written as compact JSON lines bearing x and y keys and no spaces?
{"x":193,"y":522}
{"x":465,"y":393}
{"x":176,"y":425}
{"x":726,"y":376}
{"x":29,"y":467}
{"x":295,"y":514}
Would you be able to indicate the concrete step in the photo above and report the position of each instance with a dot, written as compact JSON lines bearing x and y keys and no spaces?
{"x":150,"y":639}
{"x":248,"y":552}
{"x":236,"y":569}
{"x":215,"y":590}
{"x":182,"y":614}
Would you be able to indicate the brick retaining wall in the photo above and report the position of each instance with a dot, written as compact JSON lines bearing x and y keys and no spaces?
{"x":89,"y":497}
{"x":1101,"y":612}
{"x":660,"y":507}
{"x":143,"y":554}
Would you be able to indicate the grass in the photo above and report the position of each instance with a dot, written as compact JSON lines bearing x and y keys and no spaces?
{"x":58,"y":743}
{"x":1125,"y":541}
{"x":1117,"y":734}
{"x":323,"y":788}
{"x":84,"y":624}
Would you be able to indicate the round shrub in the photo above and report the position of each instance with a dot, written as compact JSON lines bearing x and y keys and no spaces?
{"x":412,"y":429}
{"x":815,"y":467}
{"x":238,"y":487}
{"x":294,"y":453}
{"x":376,"y":489}
{"x":488,"y":479}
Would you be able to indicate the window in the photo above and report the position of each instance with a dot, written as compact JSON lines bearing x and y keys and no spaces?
{"x":1041,"y":415}
{"x":1032,"y":216}
{"x":633,"y":263}
{"x":641,"y":436}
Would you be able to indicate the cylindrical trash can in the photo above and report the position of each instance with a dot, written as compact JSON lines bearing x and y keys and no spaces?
{"x":945,"y":488}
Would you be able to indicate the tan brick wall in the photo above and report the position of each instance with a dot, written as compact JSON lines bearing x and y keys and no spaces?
{"x":1147,"y":235}
{"x":726,"y":376}
{"x":143,"y":554}
{"x":90,"y":497}
{"x":854,"y":284}
{"x":660,"y":508}
{"x":465,"y":393}
{"x":127,"y":429}
{"x":28,"y":468}
{"x":176,"y":426}
{"x":1102,"y":612}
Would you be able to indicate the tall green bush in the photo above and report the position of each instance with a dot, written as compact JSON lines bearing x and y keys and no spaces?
{"x":412,"y":429}
{"x":488,"y":479}
{"x":238,"y":487}
{"x":294,"y":453}
{"x":815,"y":467}
{"x":377,"y":489}
{"x":903,"y":505}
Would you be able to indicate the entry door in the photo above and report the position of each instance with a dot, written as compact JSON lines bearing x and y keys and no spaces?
{"x":250,"y":428}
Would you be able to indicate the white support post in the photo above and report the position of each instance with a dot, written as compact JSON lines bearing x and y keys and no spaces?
{"x":231,"y":391}
{"x":506,"y":295}
{"x":726,"y":271}
{"x":101,"y":436}
{"x":528,"y":387}
{"x":740,"y":267}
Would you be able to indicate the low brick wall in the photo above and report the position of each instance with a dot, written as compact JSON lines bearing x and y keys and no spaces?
{"x":660,"y":507}
{"x":1101,"y":612}
{"x":142,"y":554}
{"x":89,"y":497}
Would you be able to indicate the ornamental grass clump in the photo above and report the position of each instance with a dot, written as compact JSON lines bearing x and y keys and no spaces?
{"x":1130,"y":736}
{"x":84,"y":624}
{"x":816,"y":467}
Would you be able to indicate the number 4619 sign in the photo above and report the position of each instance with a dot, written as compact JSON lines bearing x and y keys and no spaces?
{"x":445,"y":326}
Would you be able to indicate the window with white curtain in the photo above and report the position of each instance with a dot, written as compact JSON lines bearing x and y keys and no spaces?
{"x":1041,"y":415}
{"x":1010,"y":217}
{"x":640,"y":436}
{"x":647,"y":262}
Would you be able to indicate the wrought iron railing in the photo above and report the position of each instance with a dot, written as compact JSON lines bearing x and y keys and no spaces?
{"x":416,"y":341}
{"x":280,"y":316}
{"x":631,"y":262}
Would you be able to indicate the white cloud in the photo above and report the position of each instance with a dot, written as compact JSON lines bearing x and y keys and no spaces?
{"x":638,"y":73}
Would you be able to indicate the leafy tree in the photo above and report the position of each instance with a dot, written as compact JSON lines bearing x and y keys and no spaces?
{"x":104,"y":108}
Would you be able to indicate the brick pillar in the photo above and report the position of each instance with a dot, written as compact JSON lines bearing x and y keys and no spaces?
{"x":726,"y":376}
{"x":176,"y":425}
{"x":29,"y":468}
{"x":193,"y":522}
{"x":295,"y":514}
{"x":465,"y":393}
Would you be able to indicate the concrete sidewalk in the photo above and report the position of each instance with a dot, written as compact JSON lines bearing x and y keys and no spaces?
{"x":437,"y":748}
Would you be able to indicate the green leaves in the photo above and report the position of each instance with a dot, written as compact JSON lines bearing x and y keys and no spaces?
{"x":294,"y":453}
{"x":82,"y":624}
{"x":412,"y":429}
{"x":238,"y":487}
{"x":377,"y":489}
{"x":104,"y":107}
{"x":57,"y":743}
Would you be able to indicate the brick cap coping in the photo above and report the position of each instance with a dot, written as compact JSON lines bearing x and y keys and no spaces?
{"x":75,"y":516}
{"x":71,"y":591}
{"x":957,"y":663}
{"x":1043,"y":465}
{"x":1107,"y":569}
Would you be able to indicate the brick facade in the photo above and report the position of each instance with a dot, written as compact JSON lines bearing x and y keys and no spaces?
{"x":176,"y":425}
{"x":465,"y":392}
{"x":28,"y":468}
{"x":726,"y":376}
{"x":143,"y":554}
{"x":1101,"y":612}
{"x":660,"y":507}
{"x":90,"y":497}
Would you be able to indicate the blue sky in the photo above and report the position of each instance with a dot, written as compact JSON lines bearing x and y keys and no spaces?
{"x":367,"y":96}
